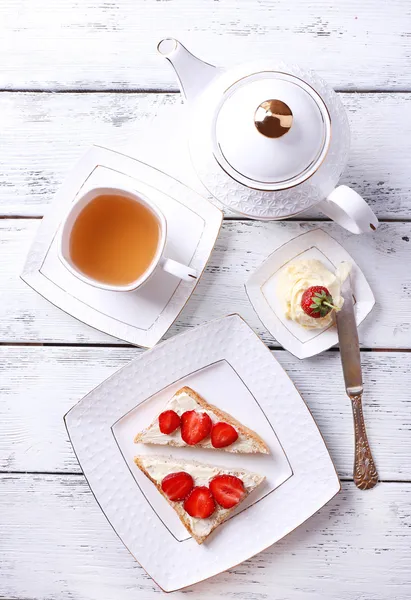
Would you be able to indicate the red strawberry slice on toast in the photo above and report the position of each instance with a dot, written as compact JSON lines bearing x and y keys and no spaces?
{"x":195,"y":426}
{"x":227,"y":490}
{"x":168,"y":421}
{"x":200,"y":503}
{"x":223,"y":435}
{"x":177,"y":486}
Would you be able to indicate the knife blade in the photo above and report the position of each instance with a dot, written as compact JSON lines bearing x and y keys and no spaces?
{"x":365,"y":472}
{"x":349,"y":344}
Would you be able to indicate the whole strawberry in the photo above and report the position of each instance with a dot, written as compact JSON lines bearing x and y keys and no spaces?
{"x":317,"y":301}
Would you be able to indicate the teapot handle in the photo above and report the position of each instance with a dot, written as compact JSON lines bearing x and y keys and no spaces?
{"x":349,"y":209}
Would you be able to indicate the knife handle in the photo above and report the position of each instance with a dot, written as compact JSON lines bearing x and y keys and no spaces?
{"x":365,"y":472}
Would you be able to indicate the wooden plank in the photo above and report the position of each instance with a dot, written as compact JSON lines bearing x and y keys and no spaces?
{"x":44,"y":134}
{"x":240,"y":249}
{"x":40,"y":384}
{"x":56,"y":543}
{"x":105,"y":45}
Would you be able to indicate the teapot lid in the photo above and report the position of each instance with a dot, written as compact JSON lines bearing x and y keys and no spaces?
{"x":271,"y":131}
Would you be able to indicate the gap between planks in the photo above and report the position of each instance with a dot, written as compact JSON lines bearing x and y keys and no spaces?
{"x":125,"y":345}
{"x":359,"y":90}
{"x":234,"y":218}
{"x":77,"y":474}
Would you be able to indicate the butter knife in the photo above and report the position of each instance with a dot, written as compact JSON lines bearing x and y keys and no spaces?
{"x":365,"y":472}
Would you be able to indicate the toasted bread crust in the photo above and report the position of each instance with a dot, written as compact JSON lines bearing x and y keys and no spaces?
{"x":178,"y":506}
{"x":220,"y":414}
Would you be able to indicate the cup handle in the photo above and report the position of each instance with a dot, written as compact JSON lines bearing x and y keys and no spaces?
{"x":349,"y":209}
{"x":178,"y":270}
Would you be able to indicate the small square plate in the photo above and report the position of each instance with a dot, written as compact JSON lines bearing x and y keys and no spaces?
{"x":261,"y":289}
{"x":229,"y":365}
{"x":143,"y":316}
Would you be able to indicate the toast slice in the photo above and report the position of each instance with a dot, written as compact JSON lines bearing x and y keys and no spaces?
{"x":156,"y":467}
{"x":186,"y":399}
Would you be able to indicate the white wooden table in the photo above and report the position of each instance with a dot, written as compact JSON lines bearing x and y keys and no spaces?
{"x":73,"y":73}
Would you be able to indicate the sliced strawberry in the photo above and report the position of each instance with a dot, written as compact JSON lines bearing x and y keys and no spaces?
{"x":223,"y":434}
{"x":227,"y":490}
{"x":200,"y":503}
{"x":195,"y":426}
{"x":168,"y":421}
{"x":177,"y":486}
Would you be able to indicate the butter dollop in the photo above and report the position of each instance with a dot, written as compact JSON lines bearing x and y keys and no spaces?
{"x":302,"y":274}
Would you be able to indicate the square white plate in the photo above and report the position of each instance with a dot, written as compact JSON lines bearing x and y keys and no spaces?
{"x":229,"y":365}
{"x":261,"y":289}
{"x":143,"y":316}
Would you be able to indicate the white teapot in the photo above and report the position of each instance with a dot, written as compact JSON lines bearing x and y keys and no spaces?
{"x":268,"y":140}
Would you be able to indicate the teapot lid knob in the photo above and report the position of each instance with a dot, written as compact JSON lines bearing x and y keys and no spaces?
{"x":273,"y":118}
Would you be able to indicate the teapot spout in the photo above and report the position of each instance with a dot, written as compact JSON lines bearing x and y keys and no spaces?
{"x":193,"y":74}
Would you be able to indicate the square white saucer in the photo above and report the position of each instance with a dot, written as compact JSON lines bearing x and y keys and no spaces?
{"x":143,"y":316}
{"x":261,"y":289}
{"x":228,"y":364}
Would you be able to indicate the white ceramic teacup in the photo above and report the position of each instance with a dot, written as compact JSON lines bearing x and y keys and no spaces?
{"x":167,"y":264}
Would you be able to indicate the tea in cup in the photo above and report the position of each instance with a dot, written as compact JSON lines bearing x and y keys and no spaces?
{"x":114,"y":239}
